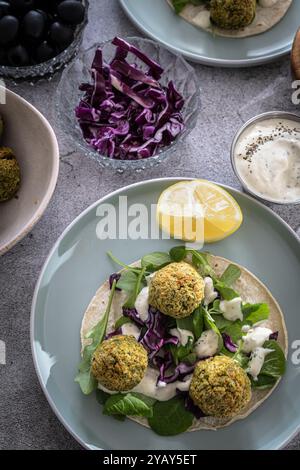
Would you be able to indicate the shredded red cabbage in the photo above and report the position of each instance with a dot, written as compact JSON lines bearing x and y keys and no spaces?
{"x":156,"y":336}
{"x":133,"y":315}
{"x":190,"y":406}
{"x":114,"y":277}
{"x":274,"y":335}
{"x":228,"y":343}
{"x":126,"y":113}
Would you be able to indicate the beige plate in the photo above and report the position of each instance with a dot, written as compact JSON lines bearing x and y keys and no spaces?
{"x":33,"y":140}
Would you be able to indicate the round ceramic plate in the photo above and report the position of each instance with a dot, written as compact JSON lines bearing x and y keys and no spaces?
{"x":76,"y":267}
{"x":157,"y":20}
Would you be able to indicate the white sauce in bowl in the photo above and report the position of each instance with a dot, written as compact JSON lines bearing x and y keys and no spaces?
{"x":267,"y":159}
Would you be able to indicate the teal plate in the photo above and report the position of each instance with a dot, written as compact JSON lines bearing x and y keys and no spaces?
{"x":156,"y":19}
{"x":78,"y":264}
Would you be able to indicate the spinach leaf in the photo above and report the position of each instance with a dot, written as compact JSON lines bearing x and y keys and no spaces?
{"x":178,"y":253}
{"x":185,"y":323}
{"x":254,"y":313}
{"x":275,"y":362}
{"x":84,"y":377}
{"x":155,"y":260}
{"x":129,"y":404}
{"x":263,"y":382}
{"x":226,"y":292}
{"x":122,"y":321}
{"x":127,"y":281}
{"x":233,"y":329}
{"x":180,"y":352}
{"x":179,"y":5}
{"x":200,"y":261}
{"x":193,"y":323}
{"x":209,"y":321}
{"x":101,"y":396}
{"x":170,"y":417}
{"x":230,"y":275}
{"x":198,"y":323}
{"x":140,"y":283}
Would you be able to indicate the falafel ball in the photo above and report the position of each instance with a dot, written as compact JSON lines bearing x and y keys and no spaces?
{"x":232,"y":14}
{"x":176,"y":290}
{"x":9,"y":174}
{"x":119,"y":363}
{"x":220,"y":387}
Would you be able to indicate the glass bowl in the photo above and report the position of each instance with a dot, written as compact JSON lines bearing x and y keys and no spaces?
{"x":50,"y":66}
{"x":175,"y":68}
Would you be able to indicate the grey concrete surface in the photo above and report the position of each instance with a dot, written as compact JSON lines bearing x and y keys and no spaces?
{"x":229,"y":97}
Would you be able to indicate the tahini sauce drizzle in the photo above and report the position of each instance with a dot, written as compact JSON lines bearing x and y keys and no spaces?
{"x":267,"y":158}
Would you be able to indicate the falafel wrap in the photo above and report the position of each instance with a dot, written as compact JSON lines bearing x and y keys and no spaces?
{"x":182,"y":341}
{"x":232,"y":18}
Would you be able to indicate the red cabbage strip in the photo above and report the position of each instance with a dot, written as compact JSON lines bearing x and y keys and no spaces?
{"x":131,"y":72}
{"x":121,"y":86}
{"x":155,"y":68}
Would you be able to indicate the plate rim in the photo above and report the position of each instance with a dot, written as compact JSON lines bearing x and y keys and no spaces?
{"x":61,"y":237}
{"x":202,"y":59}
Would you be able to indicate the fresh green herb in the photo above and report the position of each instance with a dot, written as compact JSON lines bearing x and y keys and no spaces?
{"x":170,"y":417}
{"x":193,"y":323}
{"x":263,"y":382}
{"x":180,"y":352}
{"x":155,"y":261}
{"x":254,"y":313}
{"x":129,"y":404}
{"x":275,"y":362}
{"x":84,"y":377}
{"x":230,"y":275}
{"x":200,"y":261}
{"x":226,"y":292}
{"x":178,"y":253}
{"x":198,"y":322}
{"x":180,"y":4}
{"x":122,"y":321}
{"x":209,"y":321}
{"x":140,"y":283}
{"x":241,"y":357}
{"x":127,"y":281}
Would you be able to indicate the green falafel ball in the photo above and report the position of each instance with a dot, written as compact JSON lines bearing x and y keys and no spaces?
{"x":232,"y":14}
{"x":119,"y":363}
{"x":9,"y":174}
{"x":220,"y":387}
{"x":176,"y":290}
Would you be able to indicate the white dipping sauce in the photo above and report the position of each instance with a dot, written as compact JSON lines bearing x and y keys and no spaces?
{"x":267,"y":158}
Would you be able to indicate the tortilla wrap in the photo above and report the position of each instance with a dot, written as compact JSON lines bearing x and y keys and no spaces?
{"x":265,"y":18}
{"x":250,"y":288}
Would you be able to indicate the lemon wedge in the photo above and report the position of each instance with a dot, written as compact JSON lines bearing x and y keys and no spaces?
{"x":198,"y":211}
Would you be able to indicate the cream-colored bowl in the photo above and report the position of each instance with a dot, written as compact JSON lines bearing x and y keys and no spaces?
{"x":34,"y":143}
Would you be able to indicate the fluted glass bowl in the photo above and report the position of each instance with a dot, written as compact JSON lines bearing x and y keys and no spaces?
{"x":50,"y":66}
{"x":175,"y":68}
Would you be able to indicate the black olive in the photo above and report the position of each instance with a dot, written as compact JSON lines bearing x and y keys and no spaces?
{"x":18,"y":56}
{"x":71,"y":11}
{"x":4,"y":8}
{"x":33,"y":24}
{"x":21,"y":6}
{"x":44,"y":52}
{"x":9,"y":26}
{"x":60,"y":34}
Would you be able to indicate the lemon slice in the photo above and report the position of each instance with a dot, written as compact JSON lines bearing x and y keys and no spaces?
{"x":198,"y":211}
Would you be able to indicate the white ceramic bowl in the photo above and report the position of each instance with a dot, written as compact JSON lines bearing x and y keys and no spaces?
{"x":34,"y":143}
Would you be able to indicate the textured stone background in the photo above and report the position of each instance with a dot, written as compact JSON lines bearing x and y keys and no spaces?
{"x":229,"y":97}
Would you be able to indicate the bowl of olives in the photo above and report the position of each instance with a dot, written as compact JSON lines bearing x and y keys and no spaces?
{"x":38,"y":37}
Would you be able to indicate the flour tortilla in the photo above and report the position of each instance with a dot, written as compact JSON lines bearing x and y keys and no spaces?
{"x":250,"y":288}
{"x":265,"y":19}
